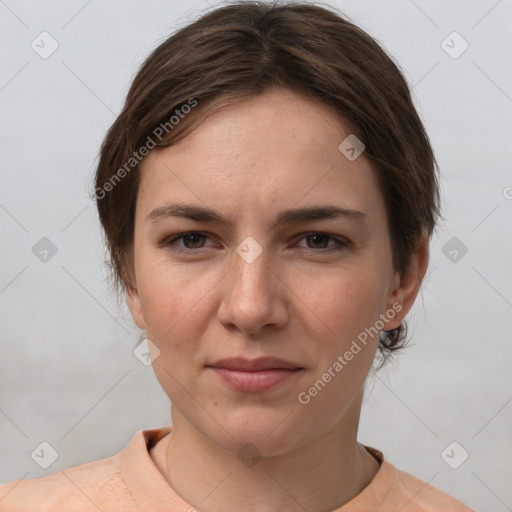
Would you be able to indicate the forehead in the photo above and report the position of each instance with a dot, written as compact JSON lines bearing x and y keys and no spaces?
{"x":276,"y":149}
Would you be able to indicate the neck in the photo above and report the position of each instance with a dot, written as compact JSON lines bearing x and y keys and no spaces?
{"x":322,"y":474}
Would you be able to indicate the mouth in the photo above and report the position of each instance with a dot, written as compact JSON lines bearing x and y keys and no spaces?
{"x":256,"y":375}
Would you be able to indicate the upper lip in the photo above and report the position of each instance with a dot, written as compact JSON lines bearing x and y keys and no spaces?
{"x":261,"y":363}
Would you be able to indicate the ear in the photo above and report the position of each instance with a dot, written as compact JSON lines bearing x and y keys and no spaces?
{"x":134,"y":305}
{"x":405,"y":289}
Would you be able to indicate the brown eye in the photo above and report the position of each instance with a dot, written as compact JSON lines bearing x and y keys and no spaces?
{"x":321,"y":241}
{"x":193,"y":240}
{"x":190,"y":240}
{"x":318,"y":241}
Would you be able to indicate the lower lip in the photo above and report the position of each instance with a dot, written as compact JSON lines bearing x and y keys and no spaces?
{"x":255,"y":381}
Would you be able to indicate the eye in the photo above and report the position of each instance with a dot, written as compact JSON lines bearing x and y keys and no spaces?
{"x":191,"y":240}
{"x":319,"y":241}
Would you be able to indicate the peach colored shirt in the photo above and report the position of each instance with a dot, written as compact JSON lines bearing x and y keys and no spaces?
{"x":130,"y":481}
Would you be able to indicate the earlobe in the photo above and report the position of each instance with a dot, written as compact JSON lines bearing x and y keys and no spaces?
{"x":406,"y":288}
{"x":134,"y":305}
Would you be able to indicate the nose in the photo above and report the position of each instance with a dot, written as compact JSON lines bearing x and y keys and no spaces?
{"x":253,"y":296}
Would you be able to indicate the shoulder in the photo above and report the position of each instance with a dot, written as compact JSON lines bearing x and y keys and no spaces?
{"x":85,"y":487}
{"x":423,"y":497}
{"x":392,"y":489}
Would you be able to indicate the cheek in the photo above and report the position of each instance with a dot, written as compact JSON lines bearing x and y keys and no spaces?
{"x":174,"y":312}
{"x":343,"y":301}
{"x":174,"y":303}
{"x":168,"y":302}
{"x":341,"y":311}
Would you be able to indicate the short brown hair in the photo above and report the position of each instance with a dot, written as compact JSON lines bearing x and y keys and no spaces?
{"x":244,"y":49}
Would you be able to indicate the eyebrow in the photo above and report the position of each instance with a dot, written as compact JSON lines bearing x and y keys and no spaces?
{"x":309,"y":213}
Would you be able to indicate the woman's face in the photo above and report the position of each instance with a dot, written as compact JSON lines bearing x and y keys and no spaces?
{"x":263,"y":281}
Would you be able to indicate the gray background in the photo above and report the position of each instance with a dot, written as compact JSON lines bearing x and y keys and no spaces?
{"x":67,"y":372}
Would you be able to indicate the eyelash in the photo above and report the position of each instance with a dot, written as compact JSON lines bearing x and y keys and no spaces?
{"x":339,"y":245}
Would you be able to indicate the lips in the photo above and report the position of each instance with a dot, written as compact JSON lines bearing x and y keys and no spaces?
{"x":254,"y":375}
{"x":254,"y":365}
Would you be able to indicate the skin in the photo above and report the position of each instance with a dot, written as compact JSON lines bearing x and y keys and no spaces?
{"x":299,"y":301}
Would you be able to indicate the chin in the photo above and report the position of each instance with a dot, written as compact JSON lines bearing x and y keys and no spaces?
{"x":266,"y":432}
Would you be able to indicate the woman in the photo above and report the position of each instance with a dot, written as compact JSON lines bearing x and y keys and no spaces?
{"x":267,"y":195}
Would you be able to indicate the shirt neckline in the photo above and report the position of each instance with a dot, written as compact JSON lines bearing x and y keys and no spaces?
{"x":150,"y":489}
